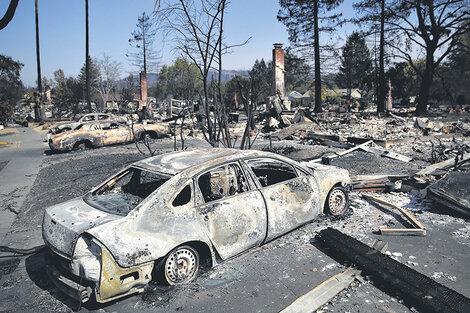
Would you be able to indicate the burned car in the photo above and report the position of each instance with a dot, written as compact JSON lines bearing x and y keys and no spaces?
{"x":90,"y":117}
{"x":103,"y":133}
{"x":167,"y":215}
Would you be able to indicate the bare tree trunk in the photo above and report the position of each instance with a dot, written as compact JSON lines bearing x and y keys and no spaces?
{"x":426,"y":82}
{"x":318,"y":107}
{"x":221,"y":98}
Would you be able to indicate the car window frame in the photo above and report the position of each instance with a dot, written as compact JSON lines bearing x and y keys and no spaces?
{"x":199,"y":200}
{"x":189,"y":182}
{"x":298,"y":173}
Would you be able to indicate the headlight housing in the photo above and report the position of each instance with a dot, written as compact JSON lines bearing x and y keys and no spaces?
{"x":86,"y":259}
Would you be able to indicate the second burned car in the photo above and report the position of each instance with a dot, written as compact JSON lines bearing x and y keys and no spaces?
{"x":167,"y":215}
{"x":103,"y":133}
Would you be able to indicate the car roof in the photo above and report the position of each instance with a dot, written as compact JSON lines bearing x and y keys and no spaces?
{"x":175,"y":162}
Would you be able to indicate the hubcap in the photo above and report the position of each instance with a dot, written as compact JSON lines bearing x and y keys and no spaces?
{"x":337,"y":201}
{"x":181,"y":266}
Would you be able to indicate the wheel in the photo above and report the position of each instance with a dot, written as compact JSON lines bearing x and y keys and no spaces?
{"x":81,"y":146}
{"x":145,"y":138}
{"x":181,"y":265}
{"x":337,"y":201}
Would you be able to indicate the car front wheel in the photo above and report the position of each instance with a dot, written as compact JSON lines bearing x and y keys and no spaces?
{"x":181,"y":265}
{"x":337,"y":201}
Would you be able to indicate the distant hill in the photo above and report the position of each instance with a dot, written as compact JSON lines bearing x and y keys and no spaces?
{"x":153,"y":77}
{"x":227,"y":74}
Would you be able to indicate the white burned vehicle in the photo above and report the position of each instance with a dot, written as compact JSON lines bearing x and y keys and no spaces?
{"x":167,"y":215}
{"x":104,"y":133}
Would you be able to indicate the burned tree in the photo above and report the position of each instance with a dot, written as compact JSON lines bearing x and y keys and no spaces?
{"x":305,"y":19}
{"x":432,"y":26}
{"x":373,"y":14}
{"x":144,"y":55}
{"x":197,"y":28}
{"x":108,"y":77}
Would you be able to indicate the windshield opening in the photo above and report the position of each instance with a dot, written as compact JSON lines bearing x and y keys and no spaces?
{"x":122,"y":193}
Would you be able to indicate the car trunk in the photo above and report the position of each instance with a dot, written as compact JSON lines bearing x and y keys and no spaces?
{"x":64,"y":223}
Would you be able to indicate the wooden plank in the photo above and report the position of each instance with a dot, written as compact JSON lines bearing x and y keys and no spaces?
{"x":389,"y":177}
{"x":388,"y":154}
{"x":314,"y":299}
{"x":442,"y":165}
{"x":384,"y":230}
{"x":379,"y":245}
{"x":354,"y":148}
{"x":285,"y":132}
{"x":408,"y":216}
{"x":338,"y":154}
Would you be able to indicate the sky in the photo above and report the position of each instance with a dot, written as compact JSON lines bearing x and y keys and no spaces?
{"x":62,"y":33}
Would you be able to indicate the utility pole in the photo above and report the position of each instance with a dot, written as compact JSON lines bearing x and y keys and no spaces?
{"x":381,"y":87}
{"x":37,"y":109}
{"x":87,"y":61}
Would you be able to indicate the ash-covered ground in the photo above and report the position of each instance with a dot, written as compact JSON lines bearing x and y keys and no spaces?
{"x":264,"y":279}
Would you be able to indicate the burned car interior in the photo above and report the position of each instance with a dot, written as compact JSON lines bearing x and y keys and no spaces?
{"x":125,"y":191}
{"x":222,"y":182}
{"x":270,"y":172}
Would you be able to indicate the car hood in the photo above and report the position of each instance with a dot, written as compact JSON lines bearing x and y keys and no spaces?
{"x":65,"y":222}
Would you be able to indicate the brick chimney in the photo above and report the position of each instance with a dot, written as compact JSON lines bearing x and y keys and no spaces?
{"x":278,"y":61}
{"x":143,"y":90}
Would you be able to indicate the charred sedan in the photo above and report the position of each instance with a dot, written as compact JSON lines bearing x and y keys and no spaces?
{"x":90,"y":117}
{"x":166,"y":215}
{"x":103,"y":133}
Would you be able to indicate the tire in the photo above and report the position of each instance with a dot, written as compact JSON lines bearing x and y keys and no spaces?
{"x":181,"y":266}
{"x":337,"y":201}
{"x":80,"y":146}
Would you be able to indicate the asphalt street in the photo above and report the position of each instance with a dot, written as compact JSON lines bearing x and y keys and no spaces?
{"x":22,"y":162}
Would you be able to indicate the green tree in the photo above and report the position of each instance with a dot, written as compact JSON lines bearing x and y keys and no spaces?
{"x":144,"y":55}
{"x":305,"y":20}
{"x":128,"y":89}
{"x":94,"y":78}
{"x":182,"y":80}
{"x":237,"y":89}
{"x":298,"y":71}
{"x":10,"y":86}
{"x":405,"y":82}
{"x":261,"y":80}
{"x":356,"y":64}
{"x":67,"y":92}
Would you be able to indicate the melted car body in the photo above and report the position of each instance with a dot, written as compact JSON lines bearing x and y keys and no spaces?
{"x":103,"y":133}
{"x":170,"y":213}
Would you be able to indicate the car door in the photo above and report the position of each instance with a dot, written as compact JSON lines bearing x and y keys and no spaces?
{"x":114,"y":133}
{"x":291,"y":196}
{"x":233,"y":214}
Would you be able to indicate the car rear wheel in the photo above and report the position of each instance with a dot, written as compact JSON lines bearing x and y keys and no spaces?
{"x":82,"y":145}
{"x":181,"y":265}
{"x":337,"y":201}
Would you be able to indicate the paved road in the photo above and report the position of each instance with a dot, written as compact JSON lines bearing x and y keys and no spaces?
{"x":18,"y":175}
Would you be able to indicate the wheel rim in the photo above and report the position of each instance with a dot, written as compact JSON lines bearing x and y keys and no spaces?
{"x":337,"y":202}
{"x":181,"y":266}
